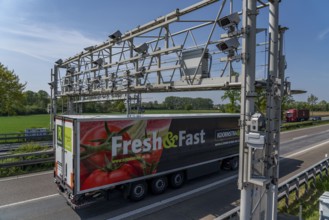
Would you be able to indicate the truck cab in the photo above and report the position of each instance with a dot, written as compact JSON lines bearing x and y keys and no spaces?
{"x":291,"y":115}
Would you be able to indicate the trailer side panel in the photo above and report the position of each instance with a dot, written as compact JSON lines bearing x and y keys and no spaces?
{"x":118,"y":151}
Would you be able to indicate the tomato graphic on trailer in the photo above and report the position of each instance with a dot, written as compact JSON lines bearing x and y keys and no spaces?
{"x":103,"y":177}
{"x":100,"y":164}
{"x":95,"y":143}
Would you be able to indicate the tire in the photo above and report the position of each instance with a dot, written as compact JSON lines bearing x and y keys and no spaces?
{"x":234,"y":163}
{"x":177,"y":180}
{"x":138,"y":191}
{"x":159,"y":185}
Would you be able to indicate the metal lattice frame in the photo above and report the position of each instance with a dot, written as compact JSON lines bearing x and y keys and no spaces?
{"x":149,"y":58}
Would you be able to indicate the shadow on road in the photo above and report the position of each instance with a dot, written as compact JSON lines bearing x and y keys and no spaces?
{"x":288,"y":166}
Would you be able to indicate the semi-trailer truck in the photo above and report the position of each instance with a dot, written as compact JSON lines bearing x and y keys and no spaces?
{"x":294,"y":115}
{"x":98,"y":154}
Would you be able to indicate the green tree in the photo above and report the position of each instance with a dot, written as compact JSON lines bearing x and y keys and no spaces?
{"x":287,"y":103}
{"x":35,"y":102}
{"x":312,"y":100}
{"x":260,"y":100}
{"x":188,"y":107}
{"x":61,"y":104}
{"x":302,"y":105}
{"x":322,"y":106}
{"x":173,"y":102}
{"x":43,"y":99}
{"x":202,"y":103}
{"x":30,"y":97}
{"x":11,"y":92}
{"x":234,"y":98}
{"x":107,"y":106}
{"x":120,"y":106}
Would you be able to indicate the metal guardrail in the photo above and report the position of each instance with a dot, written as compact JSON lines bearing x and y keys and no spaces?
{"x":13,"y":146}
{"x":302,"y":179}
{"x":24,"y":137}
{"x":296,"y":125}
{"x":232,"y":214}
{"x":290,"y":185}
{"x":24,"y":161}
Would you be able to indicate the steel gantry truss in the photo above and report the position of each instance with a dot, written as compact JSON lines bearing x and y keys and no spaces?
{"x":176,"y":53}
{"x":150,"y":58}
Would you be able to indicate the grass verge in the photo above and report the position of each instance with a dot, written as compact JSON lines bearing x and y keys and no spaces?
{"x":309,"y":199}
{"x":296,"y":125}
{"x":13,"y":124}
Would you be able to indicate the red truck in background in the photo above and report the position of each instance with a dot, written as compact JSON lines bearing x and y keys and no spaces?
{"x":294,"y":115}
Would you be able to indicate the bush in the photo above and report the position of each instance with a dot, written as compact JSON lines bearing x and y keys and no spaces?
{"x":34,"y":110}
{"x":27,"y":148}
{"x":295,"y":125}
{"x":309,"y":200}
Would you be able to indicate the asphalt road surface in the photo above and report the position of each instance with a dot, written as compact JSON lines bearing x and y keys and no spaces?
{"x":35,"y":196}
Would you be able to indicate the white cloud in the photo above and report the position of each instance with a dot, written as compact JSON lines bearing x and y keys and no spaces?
{"x":44,"y":43}
{"x":323,"y":34}
{"x":31,"y":48}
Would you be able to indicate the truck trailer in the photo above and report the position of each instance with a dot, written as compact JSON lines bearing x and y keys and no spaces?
{"x":294,"y":115}
{"x":97,"y":154}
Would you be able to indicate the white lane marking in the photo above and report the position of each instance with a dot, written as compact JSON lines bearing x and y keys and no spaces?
{"x":163,"y":202}
{"x":27,"y":201}
{"x":296,"y":138}
{"x":25,"y":176}
{"x":300,"y":137}
{"x":323,"y":132}
{"x":303,"y":151}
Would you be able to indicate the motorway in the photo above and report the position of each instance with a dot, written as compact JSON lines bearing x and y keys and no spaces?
{"x":35,"y":196}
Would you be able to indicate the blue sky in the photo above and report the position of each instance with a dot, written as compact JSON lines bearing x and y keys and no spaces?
{"x":35,"y":33}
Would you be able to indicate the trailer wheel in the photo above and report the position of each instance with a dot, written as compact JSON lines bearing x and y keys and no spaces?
{"x":177,"y":180}
{"x":234,"y":163}
{"x":138,"y":191}
{"x":159,"y":185}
